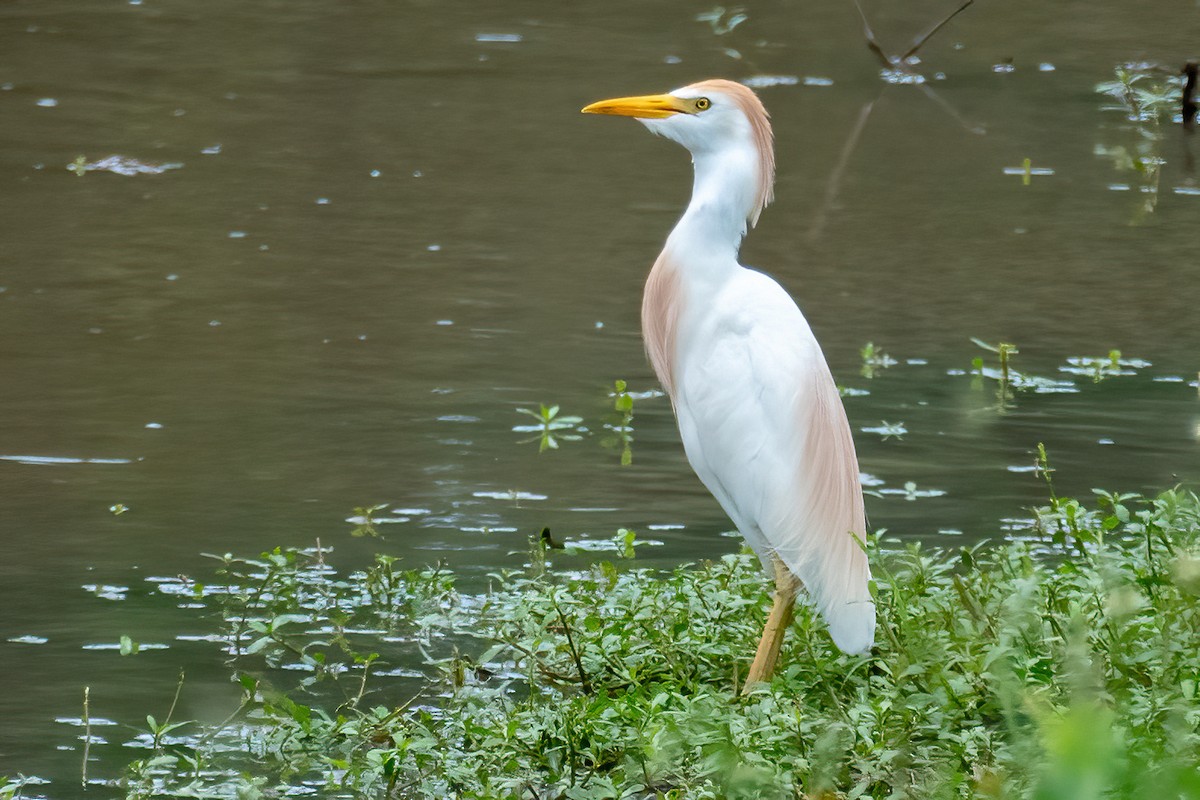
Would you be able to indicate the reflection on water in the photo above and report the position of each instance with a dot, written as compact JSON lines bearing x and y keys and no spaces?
{"x":384,"y":229}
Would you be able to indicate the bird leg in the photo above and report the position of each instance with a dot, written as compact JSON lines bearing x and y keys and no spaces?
{"x":787,"y":586}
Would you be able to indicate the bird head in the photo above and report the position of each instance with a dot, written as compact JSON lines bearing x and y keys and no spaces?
{"x":715,"y":119}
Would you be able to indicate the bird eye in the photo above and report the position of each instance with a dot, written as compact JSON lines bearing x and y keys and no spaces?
{"x":702,"y":103}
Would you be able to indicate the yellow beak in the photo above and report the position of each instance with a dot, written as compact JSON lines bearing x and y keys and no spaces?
{"x":650,"y":106}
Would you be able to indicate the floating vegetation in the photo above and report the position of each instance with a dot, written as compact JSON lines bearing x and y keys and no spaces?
{"x":624,"y":544}
{"x":1009,"y":379}
{"x":1100,"y":367}
{"x":550,"y":427}
{"x":364,"y":519}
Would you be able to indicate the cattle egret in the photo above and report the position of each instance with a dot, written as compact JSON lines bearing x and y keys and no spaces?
{"x":760,"y":417}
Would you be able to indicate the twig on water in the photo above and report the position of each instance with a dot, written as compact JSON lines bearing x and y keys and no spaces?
{"x":174,"y":700}
{"x":873,"y":43}
{"x":87,"y":736}
{"x":901,"y":62}
{"x":920,"y":40}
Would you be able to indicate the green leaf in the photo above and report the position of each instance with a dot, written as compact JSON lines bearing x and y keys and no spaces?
{"x":287,"y":619}
{"x":258,"y":645}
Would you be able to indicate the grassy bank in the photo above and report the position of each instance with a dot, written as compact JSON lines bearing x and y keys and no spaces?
{"x":1064,"y":666}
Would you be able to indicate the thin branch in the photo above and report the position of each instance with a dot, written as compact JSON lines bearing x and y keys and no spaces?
{"x":87,"y":736}
{"x":174,"y":700}
{"x":920,"y":40}
{"x":362,"y":686}
{"x":872,"y":43}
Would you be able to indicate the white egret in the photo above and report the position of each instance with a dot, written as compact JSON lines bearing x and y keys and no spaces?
{"x":760,"y":417}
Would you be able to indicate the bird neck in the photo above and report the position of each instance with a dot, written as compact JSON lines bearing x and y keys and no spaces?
{"x":723,"y":197}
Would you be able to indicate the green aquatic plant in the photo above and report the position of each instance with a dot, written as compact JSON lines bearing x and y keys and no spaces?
{"x":1008,"y":379}
{"x":1144,"y":94}
{"x":1144,"y":91}
{"x":550,"y":427}
{"x":616,"y":427}
{"x":874,"y":359}
{"x":13,"y":788}
{"x":998,"y":672}
{"x":363,"y":519}
{"x":621,"y":427}
{"x":1003,"y":374}
{"x":1099,"y":368}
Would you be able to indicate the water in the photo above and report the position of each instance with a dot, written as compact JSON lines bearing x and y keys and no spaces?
{"x":357,"y":238}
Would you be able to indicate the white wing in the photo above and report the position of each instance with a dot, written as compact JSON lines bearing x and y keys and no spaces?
{"x":765,"y":430}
